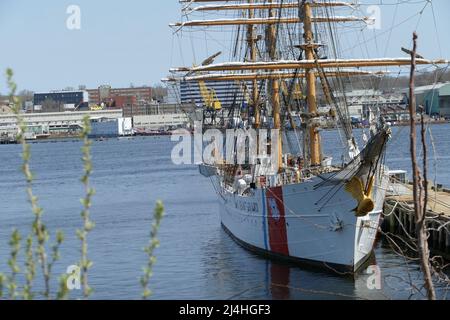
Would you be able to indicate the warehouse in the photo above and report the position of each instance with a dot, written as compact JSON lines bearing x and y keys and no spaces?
{"x":435,"y":99}
{"x":61,"y":101}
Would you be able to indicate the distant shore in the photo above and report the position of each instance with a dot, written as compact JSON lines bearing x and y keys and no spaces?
{"x":75,"y":137}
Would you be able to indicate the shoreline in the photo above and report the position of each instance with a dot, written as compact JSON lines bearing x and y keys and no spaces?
{"x":66,"y":137}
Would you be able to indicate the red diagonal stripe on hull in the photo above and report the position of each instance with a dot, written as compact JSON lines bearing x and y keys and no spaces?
{"x":277,"y":221}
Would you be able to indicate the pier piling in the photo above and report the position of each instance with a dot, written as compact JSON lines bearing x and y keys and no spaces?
{"x":400,"y":219}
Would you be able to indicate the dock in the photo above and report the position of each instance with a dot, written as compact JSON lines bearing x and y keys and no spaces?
{"x":7,"y":140}
{"x":399,"y":218}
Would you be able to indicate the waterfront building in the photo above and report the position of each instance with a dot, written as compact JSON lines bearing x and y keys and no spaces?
{"x":110,"y":128}
{"x":154,"y":108}
{"x":145,"y":123}
{"x":362,"y":102}
{"x":61,"y":100}
{"x":104,"y":94}
{"x":56,"y":122}
{"x":435,"y":99}
{"x":229,"y":93}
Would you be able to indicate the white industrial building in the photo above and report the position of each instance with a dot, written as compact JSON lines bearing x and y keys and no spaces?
{"x":55,"y":122}
{"x":160,"y":122}
{"x":360,"y":101}
{"x":108,"y":128}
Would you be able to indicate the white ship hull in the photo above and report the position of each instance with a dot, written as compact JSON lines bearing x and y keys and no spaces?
{"x":306,"y":222}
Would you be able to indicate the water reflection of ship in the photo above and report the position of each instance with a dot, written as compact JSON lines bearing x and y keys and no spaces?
{"x":280,"y":281}
{"x":234,"y":273}
{"x":286,"y":284}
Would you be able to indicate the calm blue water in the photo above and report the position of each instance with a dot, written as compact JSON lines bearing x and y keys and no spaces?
{"x":196,"y":260}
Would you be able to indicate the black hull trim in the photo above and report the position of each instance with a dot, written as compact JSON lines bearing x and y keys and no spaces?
{"x":342,"y":270}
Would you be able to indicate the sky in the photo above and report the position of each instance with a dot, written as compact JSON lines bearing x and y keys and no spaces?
{"x":129,"y":42}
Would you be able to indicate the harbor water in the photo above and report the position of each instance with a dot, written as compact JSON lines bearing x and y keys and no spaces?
{"x":197,"y":259}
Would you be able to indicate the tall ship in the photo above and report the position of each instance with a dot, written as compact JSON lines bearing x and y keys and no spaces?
{"x":288,"y":200}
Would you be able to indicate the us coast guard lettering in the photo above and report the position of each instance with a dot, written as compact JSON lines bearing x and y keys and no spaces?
{"x":247,"y":206}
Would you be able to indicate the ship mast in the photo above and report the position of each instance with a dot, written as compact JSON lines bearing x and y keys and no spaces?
{"x":275,"y":84}
{"x":272,"y":68}
{"x":309,"y":64}
{"x":252,"y":45}
{"x":260,"y":5}
{"x":314,"y":135}
{"x":269,"y":75}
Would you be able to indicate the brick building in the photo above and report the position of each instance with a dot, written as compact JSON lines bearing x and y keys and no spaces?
{"x":133,"y":101}
{"x":103,"y":94}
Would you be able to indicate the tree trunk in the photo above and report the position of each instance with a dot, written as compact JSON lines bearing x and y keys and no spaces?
{"x":418,"y":190}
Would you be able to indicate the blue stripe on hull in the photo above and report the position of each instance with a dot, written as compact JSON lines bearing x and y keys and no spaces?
{"x":264,"y":224}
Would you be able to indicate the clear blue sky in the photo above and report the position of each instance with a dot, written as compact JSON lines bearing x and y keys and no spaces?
{"x":123,"y":42}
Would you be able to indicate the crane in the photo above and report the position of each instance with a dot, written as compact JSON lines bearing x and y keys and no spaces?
{"x":209,"y":96}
